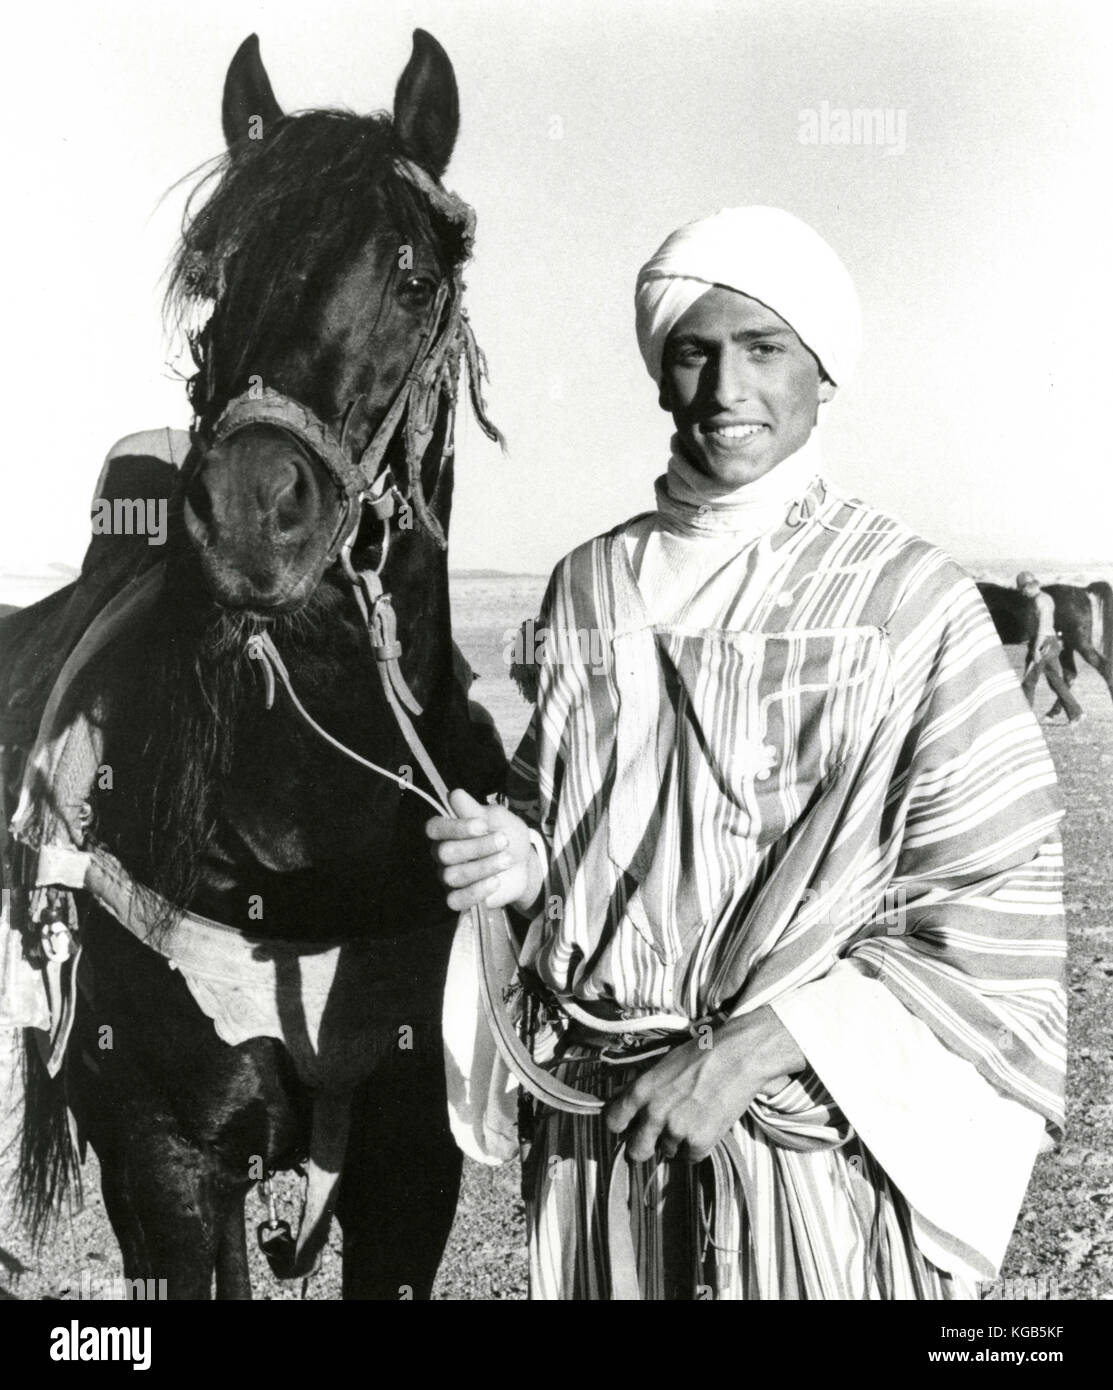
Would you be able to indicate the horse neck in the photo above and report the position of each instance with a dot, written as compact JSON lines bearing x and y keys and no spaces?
{"x":313,"y":818}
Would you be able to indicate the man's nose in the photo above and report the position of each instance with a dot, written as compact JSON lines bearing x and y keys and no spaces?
{"x":732,"y":378}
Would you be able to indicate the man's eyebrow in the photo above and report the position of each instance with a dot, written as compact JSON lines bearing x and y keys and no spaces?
{"x":774,"y":330}
{"x":744,"y":335}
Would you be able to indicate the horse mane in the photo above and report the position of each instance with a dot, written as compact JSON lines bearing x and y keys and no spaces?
{"x":271,"y":224}
{"x":172,"y":696}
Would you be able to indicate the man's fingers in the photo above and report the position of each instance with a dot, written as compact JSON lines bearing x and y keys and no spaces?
{"x":445,"y":828}
{"x":463,"y":898}
{"x":620,"y":1112}
{"x":642,"y":1145}
{"x":463,"y":875}
{"x":466,"y":807}
{"x":470,"y":850}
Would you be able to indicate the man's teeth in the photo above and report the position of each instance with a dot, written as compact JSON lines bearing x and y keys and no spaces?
{"x":734,"y":431}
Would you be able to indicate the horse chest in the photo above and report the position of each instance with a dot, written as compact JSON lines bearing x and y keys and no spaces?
{"x":294,"y":809}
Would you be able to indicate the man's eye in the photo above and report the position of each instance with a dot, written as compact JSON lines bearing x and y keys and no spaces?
{"x":766,"y":349}
{"x":417,"y":291}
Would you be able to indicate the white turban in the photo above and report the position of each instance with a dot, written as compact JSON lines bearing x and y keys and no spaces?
{"x":768,"y":255}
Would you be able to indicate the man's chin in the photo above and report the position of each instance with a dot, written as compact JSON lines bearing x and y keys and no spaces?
{"x":732,"y":469}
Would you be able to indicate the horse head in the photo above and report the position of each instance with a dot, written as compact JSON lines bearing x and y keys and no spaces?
{"x":330,"y":256}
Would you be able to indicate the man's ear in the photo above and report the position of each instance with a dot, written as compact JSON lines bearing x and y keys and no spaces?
{"x":827,"y":389}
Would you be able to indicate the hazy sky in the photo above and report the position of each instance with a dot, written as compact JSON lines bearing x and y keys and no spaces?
{"x":978,"y":236}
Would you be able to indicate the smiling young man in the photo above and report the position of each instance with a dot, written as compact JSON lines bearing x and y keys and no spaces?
{"x":789,"y":854}
{"x":742,"y":388}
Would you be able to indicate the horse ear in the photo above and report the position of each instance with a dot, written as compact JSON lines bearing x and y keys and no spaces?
{"x":427,"y":106}
{"x":249,"y":107}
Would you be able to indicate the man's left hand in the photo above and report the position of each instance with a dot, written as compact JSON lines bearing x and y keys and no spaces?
{"x":690,"y":1099}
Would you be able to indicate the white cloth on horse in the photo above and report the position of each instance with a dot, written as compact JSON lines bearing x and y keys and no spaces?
{"x":766,"y":254}
{"x":336,"y":1007}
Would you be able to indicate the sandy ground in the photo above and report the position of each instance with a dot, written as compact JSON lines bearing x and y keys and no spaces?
{"x":1063,"y":1245}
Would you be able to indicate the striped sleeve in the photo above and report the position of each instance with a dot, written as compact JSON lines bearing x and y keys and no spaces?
{"x":977,"y":945}
{"x":523,"y":781}
{"x":522,"y":793}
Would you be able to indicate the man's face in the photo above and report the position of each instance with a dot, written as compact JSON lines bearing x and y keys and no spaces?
{"x":740,"y":385}
{"x":1030,"y":590}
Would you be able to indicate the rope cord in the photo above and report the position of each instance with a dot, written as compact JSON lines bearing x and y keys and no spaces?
{"x":261,"y":648}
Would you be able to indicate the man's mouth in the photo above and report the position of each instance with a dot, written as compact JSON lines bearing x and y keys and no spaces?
{"x":741,"y":431}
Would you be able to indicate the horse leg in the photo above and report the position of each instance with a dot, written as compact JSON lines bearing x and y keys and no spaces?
{"x":177,"y":1117}
{"x":401,"y":1178}
{"x":233,"y":1279}
{"x":155,"y":1186}
{"x":125,"y":1227}
{"x":155,"y":1196}
{"x":1103,"y":667}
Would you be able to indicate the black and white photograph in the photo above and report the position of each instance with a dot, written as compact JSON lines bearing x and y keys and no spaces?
{"x":556,"y":661}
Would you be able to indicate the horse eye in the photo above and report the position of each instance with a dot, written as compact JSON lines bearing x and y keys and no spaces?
{"x":417,"y":291}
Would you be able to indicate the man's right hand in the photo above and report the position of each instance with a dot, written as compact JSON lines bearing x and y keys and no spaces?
{"x":486,"y":856}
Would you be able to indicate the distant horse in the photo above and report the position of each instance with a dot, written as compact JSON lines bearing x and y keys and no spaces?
{"x":328,"y":257}
{"x":1079,"y":614}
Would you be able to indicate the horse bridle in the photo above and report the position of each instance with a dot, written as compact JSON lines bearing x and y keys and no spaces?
{"x":362,"y":480}
{"x":432,"y":377}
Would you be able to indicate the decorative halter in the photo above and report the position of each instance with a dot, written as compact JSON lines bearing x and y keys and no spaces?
{"x":433,"y":377}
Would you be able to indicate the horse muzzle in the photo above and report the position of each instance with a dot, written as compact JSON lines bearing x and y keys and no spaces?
{"x":263,"y":516}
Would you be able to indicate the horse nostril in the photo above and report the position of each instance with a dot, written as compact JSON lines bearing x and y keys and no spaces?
{"x":253,"y":490}
{"x":291,"y":502}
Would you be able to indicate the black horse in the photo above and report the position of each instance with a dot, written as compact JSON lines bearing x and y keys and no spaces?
{"x":327,"y":258}
{"x":1077,"y":613}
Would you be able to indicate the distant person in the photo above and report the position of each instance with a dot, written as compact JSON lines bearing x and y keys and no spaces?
{"x":1044,"y":649}
{"x":793,"y":715}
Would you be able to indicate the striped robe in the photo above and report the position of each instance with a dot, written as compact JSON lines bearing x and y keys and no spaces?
{"x":813,"y":785}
